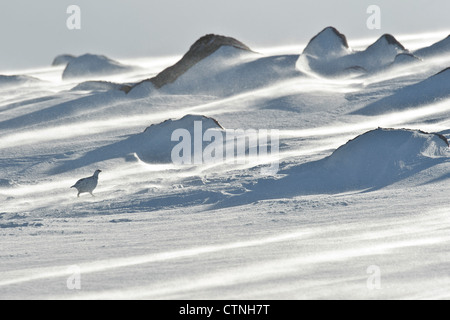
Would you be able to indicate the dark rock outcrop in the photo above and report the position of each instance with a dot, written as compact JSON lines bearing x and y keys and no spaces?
{"x":62,"y":60}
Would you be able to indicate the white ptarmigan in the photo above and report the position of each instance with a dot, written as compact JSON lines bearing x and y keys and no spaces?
{"x":87,"y":184}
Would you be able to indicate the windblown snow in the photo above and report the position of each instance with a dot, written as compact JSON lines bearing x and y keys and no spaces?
{"x":362,"y":183}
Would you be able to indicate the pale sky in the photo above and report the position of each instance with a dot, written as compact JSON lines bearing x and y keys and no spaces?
{"x":34,"y":32}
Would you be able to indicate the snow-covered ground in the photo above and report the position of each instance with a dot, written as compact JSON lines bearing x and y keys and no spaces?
{"x":353,"y":212}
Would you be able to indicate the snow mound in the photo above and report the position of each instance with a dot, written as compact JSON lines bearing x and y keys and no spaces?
{"x":91,"y":65}
{"x":328,"y":44}
{"x":373,"y":160}
{"x":328,"y":54}
{"x":16,"y":80}
{"x":202,"y":48}
{"x":432,"y":89}
{"x":62,"y":60}
{"x":378,"y":156}
{"x":439,"y":48}
{"x":155,"y":144}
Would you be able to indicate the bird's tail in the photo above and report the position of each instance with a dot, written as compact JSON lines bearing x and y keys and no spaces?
{"x":73,"y":186}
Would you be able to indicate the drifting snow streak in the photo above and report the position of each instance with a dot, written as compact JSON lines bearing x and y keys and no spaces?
{"x":99,"y":266}
{"x":256,"y":273}
{"x":221,"y":106}
{"x":96,"y":127}
{"x":386,"y":120}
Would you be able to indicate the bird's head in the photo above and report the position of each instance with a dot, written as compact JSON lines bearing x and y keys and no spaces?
{"x":97,"y":172}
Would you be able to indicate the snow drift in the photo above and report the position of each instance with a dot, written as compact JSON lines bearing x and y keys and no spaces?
{"x":328,"y":54}
{"x":434,"y":88}
{"x":154,"y":145}
{"x":92,"y":65}
{"x":372,"y":160}
{"x":218,"y":65}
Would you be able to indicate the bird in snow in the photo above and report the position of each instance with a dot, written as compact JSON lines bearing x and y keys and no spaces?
{"x":87,"y":184}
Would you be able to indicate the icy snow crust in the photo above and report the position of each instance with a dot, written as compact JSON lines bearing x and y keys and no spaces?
{"x":362,"y":181}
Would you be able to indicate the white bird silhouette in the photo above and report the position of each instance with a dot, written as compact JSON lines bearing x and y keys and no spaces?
{"x":87,"y":184}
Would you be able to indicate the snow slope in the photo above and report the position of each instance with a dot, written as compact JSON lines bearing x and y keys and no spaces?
{"x":348,"y":199}
{"x":436,"y":87}
{"x":437,"y":49}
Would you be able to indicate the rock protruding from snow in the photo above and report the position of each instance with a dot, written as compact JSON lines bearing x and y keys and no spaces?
{"x":381,"y":53}
{"x":328,"y":54}
{"x":62,"y":60}
{"x":433,"y":89}
{"x":201,"y":49}
{"x":439,"y":48}
{"x":328,"y":44}
{"x":92,"y":65}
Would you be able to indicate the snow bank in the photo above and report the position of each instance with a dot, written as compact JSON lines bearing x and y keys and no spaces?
{"x":427,"y":91}
{"x":329,"y":54}
{"x":372,"y":160}
{"x":91,"y":65}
